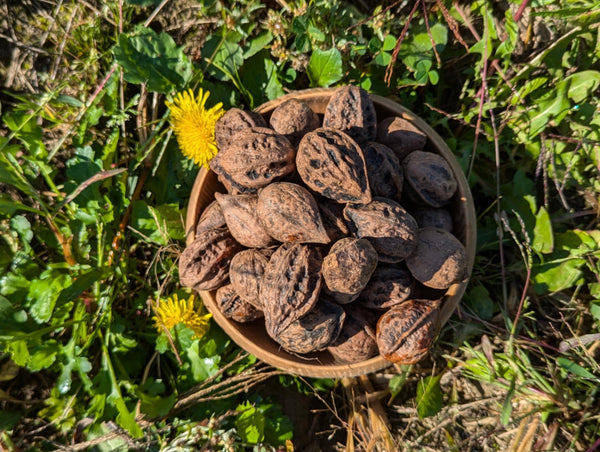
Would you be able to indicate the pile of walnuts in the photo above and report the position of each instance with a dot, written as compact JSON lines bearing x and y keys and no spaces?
{"x":332,"y":232}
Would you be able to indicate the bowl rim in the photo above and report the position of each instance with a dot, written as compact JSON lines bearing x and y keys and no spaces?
{"x":450,"y":299}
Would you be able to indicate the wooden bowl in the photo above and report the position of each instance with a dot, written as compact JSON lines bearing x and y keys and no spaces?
{"x":253,"y":337}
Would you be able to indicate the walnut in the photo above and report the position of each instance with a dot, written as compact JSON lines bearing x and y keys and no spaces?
{"x":240,"y":214}
{"x":293,"y":119}
{"x":428,"y":179}
{"x":439,"y":260}
{"x":289,"y":213}
{"x":387,"y":225}
{"x":356,"y":341}
{"x":332,"y":164}
{"x":233,"y":121}
{"x":204,"y":264}
{"x":348,"y":267}
{"x":211,"y":218}
{"x":387,"y":287}
{"x":254,"y":159}
{"x":383,"y":170}
{"x":402,"y":136}
{"x":233,"y":307}
{"x":406,"y":332}
{"x":432,"y":217}
{"x":245,"y":272}
{"x":351,"y":110}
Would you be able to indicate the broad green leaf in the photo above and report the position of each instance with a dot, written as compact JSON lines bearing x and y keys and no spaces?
{"x":429,"y":396}
{"x":479,"y":300}
{"x":257,"y":44}
{"x":582,"y":84}
{"x":154,"y":59}
{"x":44,"y":293}
{"x":250,"y":424}
{"x":223,"y":56}
{"x":9,"y":206}
{"x":575,"y":368}
{"x":554,"y":277}
{"x":389,"y":43}
{"x":543,"y":238}
{"x":156,"y":406}
{"x":259,"y":76}
{"x":325,"y":67}
{"x":43,"y":356}
{"x":157,"y":224}
{"x":19,"y":352}
{"x":11,"y":173}
{"x":550,"y":106}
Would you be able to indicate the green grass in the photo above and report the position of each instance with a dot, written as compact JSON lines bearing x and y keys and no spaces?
{"x":93,"y":195}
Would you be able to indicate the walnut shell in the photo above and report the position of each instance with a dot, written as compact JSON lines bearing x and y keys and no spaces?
{"x":332,"y":164}
{"x":348,"y":266}
{"x":406,"y":332}
{"x":245,"y":272}
{"x":211,"y":218}
{"x":290,"y":285}
{"x":388,"y":286}
{"x":430,"y":217}
{"x":387,"y":225}
{"x":204,"y":264}
{"x":351,"y":110}
{"x":402,"y":136}
{"x":384,"y":171}
{"x":356,"y":341}
{"x":439,"y":260}
{"x":332,"y":214}
{"x":254,"y":159}
{"x":293,"y":119}
{"x":240,"y":212}
{"x":428,"y":179}
{"x":315,"y":330}
{"x":289,"y":213}
{"x":233,"y":121}
{"x":233,"y":307}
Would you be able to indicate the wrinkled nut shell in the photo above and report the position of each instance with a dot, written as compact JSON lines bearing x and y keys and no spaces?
{"x":240,"y":213}
{"x":387,"y":225}
{"x":290,"y":285}
{"x":332,"y":214}
{"x":233,"y":307}
{"x":430,"y":217}
{"x":406,"y":332}
{"x":348,"y":266}
{"x":293,"y":119}
{"x":384,"y":171}
{"x":204,"y":264}
{"x":332,"y":164}
{"x":351,"y":110}
{"x":245,"y":272}
{"x":289,"y":213}
{"x":315,"y":330}
{"x":401,"y":136}
{"x":429,"y":179}
{"x":211,"y":218}
{"x":388,"y":286}
{"x":233,"y":121}
{"x":439,"y":260}
{"x":355,"y":343}
{"x":255,"y":158}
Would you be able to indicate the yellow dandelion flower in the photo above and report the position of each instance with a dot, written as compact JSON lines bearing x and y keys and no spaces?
{"x":194,"y":125}
{"x":173,"y":311}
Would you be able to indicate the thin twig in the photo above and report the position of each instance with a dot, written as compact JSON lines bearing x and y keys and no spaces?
{"x":390,"y":67}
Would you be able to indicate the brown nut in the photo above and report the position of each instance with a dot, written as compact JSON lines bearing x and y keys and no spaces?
{"x":348,"y":266}
{"x":384,"y":171}
{"x":233,"y":307}
{"x":402,"y":136}
{"x":332,"y":214}
{"x":351,"y":110}
{"x":430,"y":217}
{"x":211,"y":218}
{"x":204,"y":264}
{"x":290,"y":285}
{"x":293,"y":119}
{"x":332,"y":164}
{"x":356,"y":341}
{"x":289,"y":213}
{"x":388,"y":286}
{"x":315,"y":330}
{"x":406,"y":332}
{"x":439,"y":260}
{"x":387,"y":225}
{"x":233,"y":121}
{"x":245,"y":273}
{"x":254,"y":159}
{"x":241,"y":217}
{"x":428,"y":179}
